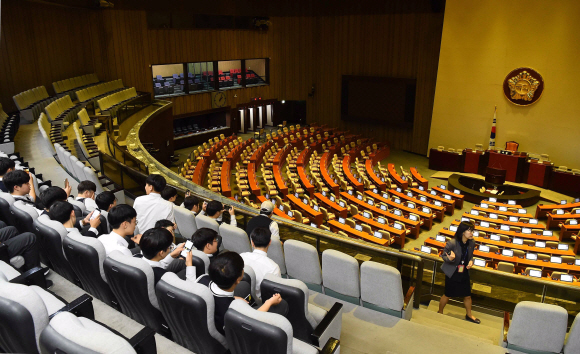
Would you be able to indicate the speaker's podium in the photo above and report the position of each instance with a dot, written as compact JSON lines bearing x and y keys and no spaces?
{"x":495,"y":175}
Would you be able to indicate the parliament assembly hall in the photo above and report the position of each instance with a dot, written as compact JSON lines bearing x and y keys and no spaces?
{"x":289,"y":177}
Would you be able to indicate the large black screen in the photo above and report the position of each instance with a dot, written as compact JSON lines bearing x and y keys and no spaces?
{"x":389,"y":100}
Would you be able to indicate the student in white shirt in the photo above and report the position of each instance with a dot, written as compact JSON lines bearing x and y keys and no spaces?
{"x":64,"y":213}
{"x":86,"y":195}
{"x":152,"y":207}
{"x":20,"y":186}
{"x":105,"y":202}
{"x":122,"y":219}
{"x":215,"y":209}
{"x":169,"y":194}
{"x":258,"y":260}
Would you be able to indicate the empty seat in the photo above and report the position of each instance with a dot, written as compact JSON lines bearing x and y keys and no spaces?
{"x":302,"y":263}
{"x":505,"y":267}
{"x":340,"y":276}
{"x":572,"y":344}
{"x":536,"y":328}
{"x":188,"y":308}
{"x":234,"y":238}
{"x":381,"y":289}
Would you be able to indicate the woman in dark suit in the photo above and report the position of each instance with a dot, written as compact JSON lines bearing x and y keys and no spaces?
{"x":458,"y":259}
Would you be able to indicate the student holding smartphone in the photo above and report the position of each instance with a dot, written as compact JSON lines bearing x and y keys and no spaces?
{"x":458,"y":259}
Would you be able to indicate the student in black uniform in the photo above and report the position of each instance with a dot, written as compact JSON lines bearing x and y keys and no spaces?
{"x":225,"y":282}
{"x":6,"y":165}
{"x":207,"y":241}
{"x":169,"y":194}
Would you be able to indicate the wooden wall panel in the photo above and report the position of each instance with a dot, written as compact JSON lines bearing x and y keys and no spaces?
{"x":399,"y":45}
{"x":41,"y":44}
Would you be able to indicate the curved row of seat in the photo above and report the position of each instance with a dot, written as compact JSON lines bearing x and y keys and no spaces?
{"x":62,"y":111}
{"x":110,"y":103}
{"x":8,"y":128}
{"x":31,"y":103}
{"x":74,"y":83}
{"x":95,"y":91}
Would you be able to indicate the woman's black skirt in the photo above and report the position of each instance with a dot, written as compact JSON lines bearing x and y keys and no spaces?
{"x":458,"y":285}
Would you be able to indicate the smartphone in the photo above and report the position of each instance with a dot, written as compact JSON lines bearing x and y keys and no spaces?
{"x":186,"y":248}
{"x":227,"y":207}
{"x":95,"y":215}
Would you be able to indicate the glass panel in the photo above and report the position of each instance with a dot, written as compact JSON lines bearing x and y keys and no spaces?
{"x":200,"y":76}
{"x":230,"y":74}
{"x":168,"y":80}
{"x":256,"y":72}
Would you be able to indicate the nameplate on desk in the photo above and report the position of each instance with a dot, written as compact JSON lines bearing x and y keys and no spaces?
{"x":433,"y":193}
{"x":563,"y":246}
{"x":484,"y":224}
{"x":573,"y":222}
{"x":559,"y":212}
{"x":453,"y":228}
{"x":492,"y":216}
{"x":378,"y":234}
{"x":413,"y":218}
{"x":358,"y":227}
{"x":440,"y":238}
{"x":522,"y":211}
{"x":341,"y":220}
{"x":381,"y":220}
{"x":513,"y":219}
{"x":426,"y":249}
{"x":526,"y":230}
{"x":385,"y":195}
{"x":350,"y":191}
{"x":448,"y":197}
{"x":332,"y":199}
{"x":504,"y":228}
{"x":399,"y":190}
{"x":315,"y":207}
{"x":305,"y":201}
{"x":567,"y":278}
{"x":397,"y":200}
{"x":370,"y":202}
{"x":483,"y":205}
{"x":398,"y":226}
{"x":556,"y":259}
{"x":457,"y":191}
{"x":359,"y":197}
{"x":483,"y":248}
{"x":281,"y":207}
{"x":577,"y":262}
{"x":534,"y":221}
{"x":563,"y":202}
{"x":437,"y":203}
{"x":410,"y":205}
{"x":511,"y":202}
{"x":532,"y":256}
{"x":479,"y":262}
{"x":397,"y":212}
{"x":366,"y":215}
{"x":518,"y":241}
{"x":341,"y":203}
{"x":547,"y":233}
{"x":426,"y":210}
{"x":290,"y":214}
{"x":535,"y":273}
{"x":442,"y":187}
{"x":384,"y":207}
{"x":493,"y":200}
{"x":410,"y":194}
{"x":324,"y":193}
{"x":502,"y":208}
{"x":421,"y":188}
{"x":474,"y":212}
{"x":507,"y":253}
{"x":375,"y":190}
{"x":382,"y":179}
{"x":423,"y":199}
{"x":495,"y":237}
{"x":541,"y":244}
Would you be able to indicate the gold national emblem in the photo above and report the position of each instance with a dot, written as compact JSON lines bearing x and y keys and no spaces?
{"x":523,"y":86}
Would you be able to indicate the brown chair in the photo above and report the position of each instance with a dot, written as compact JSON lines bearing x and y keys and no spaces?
{"x":505,"y":267}
{"x":512,"y":146}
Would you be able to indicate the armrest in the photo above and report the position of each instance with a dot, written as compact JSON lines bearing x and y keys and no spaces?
{"x":329,"y":327}
{"x":408,"y":297}
{"x":331,"y":346}
{"x":34,"y":276}
{"x":506,"y":325}
{"x":81,"y":306}
{"x":144,"y":341}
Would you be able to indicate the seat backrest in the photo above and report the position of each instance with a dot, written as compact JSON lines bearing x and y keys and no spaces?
{"x":537,"y":326}
{"x":250,"y":331}
{"x":341,"y":276}
{"x":78,"y":170}
{"x":276,"y":253}
{"x":5,"y":201}
{"x":70,"y":334}
{"x":205,"y":221}
{"x":573,"y":341}
{"x":381,"y":285}
{"x":86,"y":256}
{"x":22,"y":219}
{"x":295,"y":293}
{"x":23,"y":316}
{"x":52,"y":233}
{"x":185,"y":221}
{"x":302,"y":263}
{"x":234,"y":238}
{"x":505,"y":267}
{"x":91,"y":176}
{"x":189,"y":308}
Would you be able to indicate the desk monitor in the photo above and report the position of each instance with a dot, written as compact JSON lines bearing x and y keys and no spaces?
{"x":513,"y":219}
{"x":267,"y":196}
{"x":426,"y":210}
{"x":305,"y":201}
{"x":341,"y":220}
{"x":442,"y":187}
{"x":492,"y":216}
{"x":511,"y":202}
{"x":433,"y":193}
{"x":385,"y":195}
{"x":350,"y":191}
{"x":359,"y":197}
{"x":381,"y":220}
{"x":382,"y":179}
{"x":404,"y":178}
{"x":410,"y":194}
{"x":547,"y":233}
{"x":397,"y":212}
{"x":313,"y":224}
{"x":532,"y":256}
{"x":370,"y":202}
{"x":576,"y":200}
{"x":563,"y":246}
{"x":375,"y":190}
{"x":383,"y":207}
{"x":423,"y":198}
{"x":577,"y":211}
{"x":535,"y":273}
{"x":397,"y":200}
{"x":378,"y":234}
{"x":440,"y":238}
{"x":493,"y":200}
{"x":324,"y":193}
{"x":495,"y":237}
{"x":559,"y":211}
{"x":522,"y":211}
{"x":483,"y":205}
{"x":273,"y":201}
{"x":366,"y":214}
{"x":502,"y":208}
{"x":410,"y":205}
{"x":534,"y":221}
{"x":341,"y":203}
{"x":474,"y":212}
{"x":563,"y":201}
{"x":437,"y":203}
{"x":518,"y":241}
{"x":541,"y":244}
{"x":504,"y":228}
{"x":456,"y":191}
{"x":398,"y":226}
{"x":447,"y":196}
{"x":573,"y":222}
{"x":475,"y":233}
{"x":566,"y":277}
{"x":358,"y":227}
{"x":281,"y":207}
{"x":315,"y":207}
{"x":484,"y":224}
{"x":577,"y":262}
{"x":556,"y":259}
{"x":359,"y":180}
{"x":238,"y":198}
{"x":453,"y":228}
{"x":413,"y":217}
{"x":426,"y":249}
{"x":479,"y":262}
{"x":421,"y":188}
{"x":507,"y":253}
{"x":484,"y":248}
{"x":399,"y":190}
{"x":463,"y":218}
{"x":526,"y":230}
{"x":296,"y":195}
{"x":290,"y":214}
{"x":332,"y":199}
